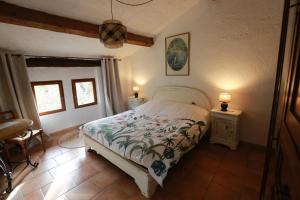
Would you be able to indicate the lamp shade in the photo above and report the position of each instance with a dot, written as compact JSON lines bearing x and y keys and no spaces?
{"x":112,"y":34}
{"x":225,"y":97}
{"x":136,"y":88}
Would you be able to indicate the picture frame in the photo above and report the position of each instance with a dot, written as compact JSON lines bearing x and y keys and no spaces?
{"x":177,"y":54}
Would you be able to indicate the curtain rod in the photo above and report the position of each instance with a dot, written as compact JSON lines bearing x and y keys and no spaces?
{"x":81,"y":58}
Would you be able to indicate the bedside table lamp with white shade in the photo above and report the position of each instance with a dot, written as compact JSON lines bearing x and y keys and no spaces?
{"x":224,"y":98}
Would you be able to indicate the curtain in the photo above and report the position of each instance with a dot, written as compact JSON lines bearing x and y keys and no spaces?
{"x":111,"y":87}
{"x":15,"y":89}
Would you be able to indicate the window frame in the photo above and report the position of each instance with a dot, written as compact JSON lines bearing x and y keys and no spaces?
{"x":61,"y":92}
{"x":73,"y":82}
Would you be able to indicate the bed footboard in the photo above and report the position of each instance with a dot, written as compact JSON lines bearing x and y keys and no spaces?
{"x":142,"y":178}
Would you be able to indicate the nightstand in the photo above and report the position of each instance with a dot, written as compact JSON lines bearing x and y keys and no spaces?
{"x":225,"y":127}
{"x":134,"y":102}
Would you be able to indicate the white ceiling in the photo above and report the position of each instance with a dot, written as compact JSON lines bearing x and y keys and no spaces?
{"x":47,"y":43}
{"x":147,"y":20}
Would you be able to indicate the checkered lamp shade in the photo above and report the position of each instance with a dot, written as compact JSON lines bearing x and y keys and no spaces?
{"x":112,"y":34}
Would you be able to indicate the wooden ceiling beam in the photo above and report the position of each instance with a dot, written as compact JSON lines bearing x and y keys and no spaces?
{"x":17,"y":15}
{"x":62,"y":62}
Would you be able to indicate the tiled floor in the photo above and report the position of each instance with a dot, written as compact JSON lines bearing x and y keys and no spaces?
{"x":207,"y":172}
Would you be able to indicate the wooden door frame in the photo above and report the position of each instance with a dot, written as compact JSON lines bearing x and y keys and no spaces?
{"x":276,"y":95}
{"x":272,"y":137}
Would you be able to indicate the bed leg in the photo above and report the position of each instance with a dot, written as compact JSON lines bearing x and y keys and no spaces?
{"x":147,"y":186}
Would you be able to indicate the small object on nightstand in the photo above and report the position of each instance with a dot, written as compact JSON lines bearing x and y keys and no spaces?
{"x":225,"y":127}
{"x":136,"y":90}
{"x":134,"y":102}
{"x":224,"y":98}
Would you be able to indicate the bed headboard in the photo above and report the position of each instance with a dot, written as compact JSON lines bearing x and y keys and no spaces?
{"x":183,"y":94}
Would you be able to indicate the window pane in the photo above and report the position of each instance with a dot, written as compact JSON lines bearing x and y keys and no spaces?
{"x":47,"y":97}
{"x":85,"y":93}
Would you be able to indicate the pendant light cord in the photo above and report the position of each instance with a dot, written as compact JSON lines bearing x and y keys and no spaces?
{"x":132,"y":4}
{"x":111,"y":9}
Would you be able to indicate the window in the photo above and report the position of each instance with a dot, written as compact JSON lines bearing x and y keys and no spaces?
{"x":84,"y":92}
{"x":49,"y":96}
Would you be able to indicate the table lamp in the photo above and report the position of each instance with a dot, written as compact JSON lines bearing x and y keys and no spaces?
{"x":224,"y":98}
{"x":136,"y":91}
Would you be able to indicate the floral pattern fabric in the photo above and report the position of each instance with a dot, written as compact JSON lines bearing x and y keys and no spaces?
{"x":157,"y":142}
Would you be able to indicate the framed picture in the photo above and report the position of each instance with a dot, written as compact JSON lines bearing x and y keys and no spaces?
{"x":177,"y":50}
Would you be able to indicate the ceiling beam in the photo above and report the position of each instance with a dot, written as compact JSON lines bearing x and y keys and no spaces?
{"x":62,"y":62}
{"x":17,"y":15}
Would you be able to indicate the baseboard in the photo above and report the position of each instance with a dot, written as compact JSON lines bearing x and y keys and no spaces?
{"x":62,"y":131}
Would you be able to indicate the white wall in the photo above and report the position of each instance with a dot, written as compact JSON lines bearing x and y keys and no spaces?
{"x":70,"y":117}
{"x":234,"y":46}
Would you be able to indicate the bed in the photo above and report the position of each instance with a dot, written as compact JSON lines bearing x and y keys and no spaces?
{"x":148,"y":141}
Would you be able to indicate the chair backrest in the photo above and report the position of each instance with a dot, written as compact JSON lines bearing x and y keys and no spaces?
{"x":7,"y":115}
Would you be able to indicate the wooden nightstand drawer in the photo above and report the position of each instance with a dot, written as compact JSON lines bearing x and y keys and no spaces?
{"x":224,"y":128}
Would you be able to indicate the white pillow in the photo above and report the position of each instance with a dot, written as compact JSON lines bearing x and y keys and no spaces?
{"x":172,"y":110}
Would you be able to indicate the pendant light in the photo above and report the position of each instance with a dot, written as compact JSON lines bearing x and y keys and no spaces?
{"x":112,"y":33}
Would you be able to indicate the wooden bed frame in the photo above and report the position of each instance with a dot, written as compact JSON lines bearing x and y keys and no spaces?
{"x":141,"y":176}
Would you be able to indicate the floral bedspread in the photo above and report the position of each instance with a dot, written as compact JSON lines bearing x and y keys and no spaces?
{"x":154,"y":142}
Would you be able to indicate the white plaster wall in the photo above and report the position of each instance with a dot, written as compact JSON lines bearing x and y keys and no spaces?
{"x":234,"y":46}
{"x":70,"y":117}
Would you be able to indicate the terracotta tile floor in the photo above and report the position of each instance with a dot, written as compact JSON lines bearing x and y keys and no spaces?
{"x":207,"y":172}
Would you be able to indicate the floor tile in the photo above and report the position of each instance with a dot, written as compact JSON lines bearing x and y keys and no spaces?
{"x":255,"y":167}
{"x":36,"y":183}
{"x":44,"y":166}
{"x":35,"y":195}
{"x":79,"y":151}
{"x":206,"y":162}
{"x":249,"y":194}
{"x":68,"y":166}
{"x":257,"y":154}
{"x":252,"y":180}
{"x":16,"y":194}
{"x":62,"y":197}
{"x":111,"y":194}
{"x":216,"y":192}
{"x":58,"y":187}
{"x":83,"y":191}
{"x":126,"y":185}
{"x":187,"y":190}
{"x":64,"y":157}
{"x":206,"y":172}
{"x":83,"y":173}
{"x":105,"y":178}
{"x":201,"y":176}
{"x":234,"y":165}
{"x":228,"y":180}
{"x":50,"y":153}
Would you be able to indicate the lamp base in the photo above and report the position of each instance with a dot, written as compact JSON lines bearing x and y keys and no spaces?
{"x":224,"y":106}
{"x":136,"y":95}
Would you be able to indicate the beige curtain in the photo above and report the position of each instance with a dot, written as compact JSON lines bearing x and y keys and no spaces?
{"x":111,"y":87}
{"x":15,"y":89}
